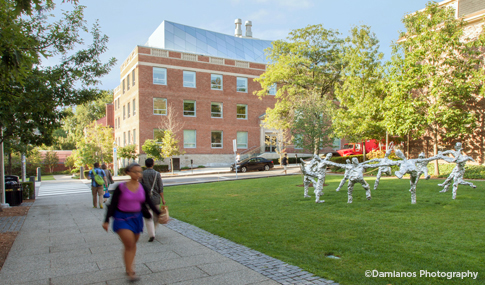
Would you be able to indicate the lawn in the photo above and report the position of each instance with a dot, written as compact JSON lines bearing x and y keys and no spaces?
{"x":47,"y":177}
{"x":387,"y":233}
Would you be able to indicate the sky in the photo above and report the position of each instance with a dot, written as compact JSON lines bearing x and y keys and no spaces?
{"x":130,"y":23}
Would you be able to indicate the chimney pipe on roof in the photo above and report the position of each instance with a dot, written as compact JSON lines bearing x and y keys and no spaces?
{"x":249,"y":33}
{"x":238,"y":32}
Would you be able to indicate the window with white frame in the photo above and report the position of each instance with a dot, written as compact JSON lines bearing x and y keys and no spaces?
{"x":242,"y":84}
{"x":133,"y":76}
{"x":159,"y":76}
{"x":216,"y":110}
{"x":134,"y":108}
{"x":190,"y":139}
{"x":124,"y":138}
{"x":124,"y":114}
{"x":272,"y":89}
{"x":128,"y":109}
{"x":123,"y":86}
{"x":216,"y":139}
{"x":216,"y":82}
{"x":189,"y":108}
{"x":128,"y":82}
{"x":129,"y":137}
{"x":159,"y":106}
{"x":336,"y":144}
{"x":189,"y":79}
{"x":158,"y":135}
{"x":242,"y":139}
{"x":134,"y":136}
{"x":242,"y":111}
{"x":119,"y":123}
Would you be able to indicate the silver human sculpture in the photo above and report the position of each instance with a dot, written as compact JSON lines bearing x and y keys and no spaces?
{"x":409,"y":166}
{"x":346,"y":176}
{"x":356,"y":175}
{"x":458,"y":172}
{"x":385,"y":169}
{"x":422,"y":166}
{"x":319,"y":173}
{"x":307,"y":168}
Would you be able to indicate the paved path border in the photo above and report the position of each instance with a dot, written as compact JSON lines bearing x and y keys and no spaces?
{"x":270,"y":267}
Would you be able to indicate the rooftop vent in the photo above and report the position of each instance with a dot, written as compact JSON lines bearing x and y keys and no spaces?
{"x":238,"y":32}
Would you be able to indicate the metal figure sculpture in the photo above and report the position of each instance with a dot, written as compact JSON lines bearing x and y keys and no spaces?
{"x":422,"y":166}
{"x":385,"y":169}
{"x":307,"y":168}
{"x":321,"y":171}
{"x":356,"y":175}
{"x":346,"y":176}
{"x":409,"y":166}
{"x":457,"y":174}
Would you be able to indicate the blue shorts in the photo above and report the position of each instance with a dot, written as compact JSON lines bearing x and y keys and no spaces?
{"x":128,"y":221}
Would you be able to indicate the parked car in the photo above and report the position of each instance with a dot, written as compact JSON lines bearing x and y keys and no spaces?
{"x":255,"y":163}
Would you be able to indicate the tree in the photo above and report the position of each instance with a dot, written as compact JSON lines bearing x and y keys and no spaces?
{"x":358,"y":115}
{"x":153,"y":149}
{"x":128,"y":152}
{"x":101,"y":138}
{"x":312,"y":126}
{"x":434,"y":72}
{"x":37,"y":95}
{"x":51,"y":160}
{"x":307,"y":63}
{"x":170,"y":146}
{"x":70,"y":162}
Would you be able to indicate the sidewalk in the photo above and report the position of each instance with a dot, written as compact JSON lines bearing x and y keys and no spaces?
{"x":62,"y":242}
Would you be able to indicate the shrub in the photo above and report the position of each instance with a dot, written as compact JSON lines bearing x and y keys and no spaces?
{"x":159,"y":168}
{"x":200,"y":166}
{"x":28,"y":189}
{"x":184,"y":168}
{"x":291,"y":160}
{"x":471,"y":171}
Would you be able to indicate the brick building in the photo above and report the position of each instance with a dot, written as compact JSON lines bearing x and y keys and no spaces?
{"x":205,"y":77}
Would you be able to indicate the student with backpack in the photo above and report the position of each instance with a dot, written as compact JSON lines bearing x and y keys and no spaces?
{"x":98,"y":179}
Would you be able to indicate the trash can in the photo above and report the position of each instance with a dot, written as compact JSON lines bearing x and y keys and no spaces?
{"x":13,"y":190}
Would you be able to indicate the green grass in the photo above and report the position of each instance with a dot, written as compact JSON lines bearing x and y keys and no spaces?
{"x":47,"y":177}
{"x":387,"y":233}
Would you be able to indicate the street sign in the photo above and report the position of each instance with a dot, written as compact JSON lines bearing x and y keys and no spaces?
{"x":234,"y":145}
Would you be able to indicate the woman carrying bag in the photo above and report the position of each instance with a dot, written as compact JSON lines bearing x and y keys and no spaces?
{"x":152,"y":179}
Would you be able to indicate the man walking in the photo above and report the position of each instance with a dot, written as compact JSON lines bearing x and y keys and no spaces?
{"x":152,"y":179}
{"x":284,"y":162}
{"x":97,"y":189}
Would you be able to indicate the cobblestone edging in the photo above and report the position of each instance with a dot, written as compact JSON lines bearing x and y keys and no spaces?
{"x":268,"y":266}
{"x":11,"y":224}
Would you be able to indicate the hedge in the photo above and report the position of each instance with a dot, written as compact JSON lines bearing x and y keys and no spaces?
{"x":28,"y":190}
{"x":159,"y":168}
{"x":291,"y":160}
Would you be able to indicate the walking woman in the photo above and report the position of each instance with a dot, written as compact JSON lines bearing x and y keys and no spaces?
{"x":128,"y":207}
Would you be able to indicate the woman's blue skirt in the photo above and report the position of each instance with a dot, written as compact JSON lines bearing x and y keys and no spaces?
{"x":128,"y":221}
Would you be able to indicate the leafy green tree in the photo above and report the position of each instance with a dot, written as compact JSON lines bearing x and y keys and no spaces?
{"x":128,"y":152}
{"x":95,"y":146}
{"x":51,"y":159}
{"x":358,"y":115}
{"x":307,"y":63}
{"x":434,"y":74}
{"x":37,"y":95}
{"x":153,"y":150}
{"x":69,"y":162}
{"x":170,"y":146}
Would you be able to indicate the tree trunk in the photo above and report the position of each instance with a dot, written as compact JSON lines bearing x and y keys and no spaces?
{"x":363,"y":150}
{"x":9,"y":169}
{"x":171,"y":164}
{"x":407,"y":152}
{"x":435,"y":152}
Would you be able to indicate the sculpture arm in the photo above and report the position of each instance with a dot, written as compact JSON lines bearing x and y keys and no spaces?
{"x":384,"y":163}
{"x":328,"y":162}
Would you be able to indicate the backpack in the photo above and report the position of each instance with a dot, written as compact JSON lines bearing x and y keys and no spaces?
{"x":99,"y":180}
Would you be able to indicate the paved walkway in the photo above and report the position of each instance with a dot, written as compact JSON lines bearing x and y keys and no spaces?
{"x":62,"y":242}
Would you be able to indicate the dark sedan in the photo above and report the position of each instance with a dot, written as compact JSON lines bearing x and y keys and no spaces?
{"x":255,"y":163}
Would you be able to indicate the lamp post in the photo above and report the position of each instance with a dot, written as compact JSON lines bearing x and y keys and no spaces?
{"x":115,"y":159}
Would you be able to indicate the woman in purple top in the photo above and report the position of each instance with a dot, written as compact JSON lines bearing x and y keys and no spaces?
{"x":128,"y":207}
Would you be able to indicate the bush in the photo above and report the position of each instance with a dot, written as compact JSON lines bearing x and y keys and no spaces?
{"x":291,"y":160}
{"x":184,"y":168}
{"x":159,"y":168}
{"x":28,"y":189}
{"x":200,"y":166}
{"x":342,"y":159}
{"x":75,"y":171}
{"x":471,"y":171}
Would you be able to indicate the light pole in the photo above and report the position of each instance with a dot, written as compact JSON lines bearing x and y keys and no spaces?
{"x":115,"y":159}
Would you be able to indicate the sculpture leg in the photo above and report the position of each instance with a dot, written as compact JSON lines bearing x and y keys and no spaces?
{"x":306,"y":185}
{"x":367,"y":189}
{"x":350,"y":190}
{"x":425,"y":173}
{"x":463,"y":182}
{"x":342,"y":183}
{"x":413,"y":181}
{"x":378,"y":178}
{"x":446,"y":182}
{"x":319,"y":190}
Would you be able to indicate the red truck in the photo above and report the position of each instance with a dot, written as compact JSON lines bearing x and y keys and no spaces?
{"x":356,"y":148}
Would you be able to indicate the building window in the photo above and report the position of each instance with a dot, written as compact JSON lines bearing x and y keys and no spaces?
{"x":128,"y":82}
{"x":242,"y":84}
{"x":159,"y":106}
{"x":189,"y":108}
{"x":133,"y":76}
{"x":158,"y":135}
{"x":216,"y":110}
{"x":118,"y":102}
{"x":124,"y":114}
{"x":242,"y":139}
{"x":216,"y":82}
{"x":119,"y":124}
{"x":189,"y":139}
{"x":242,"y":111}
{"x":189,"y":79}
{"x":129,"y":137}
{"x":124,"y":139}
{"x":216,"y":139}
{"x":272,"y":90}
{"x":123,"y":86}
{"x":128,"y":109}
{"x":134,"y":108}
{"x":134,"y":136}
{"x":336,"y":144}
{"x":159,"y":76}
